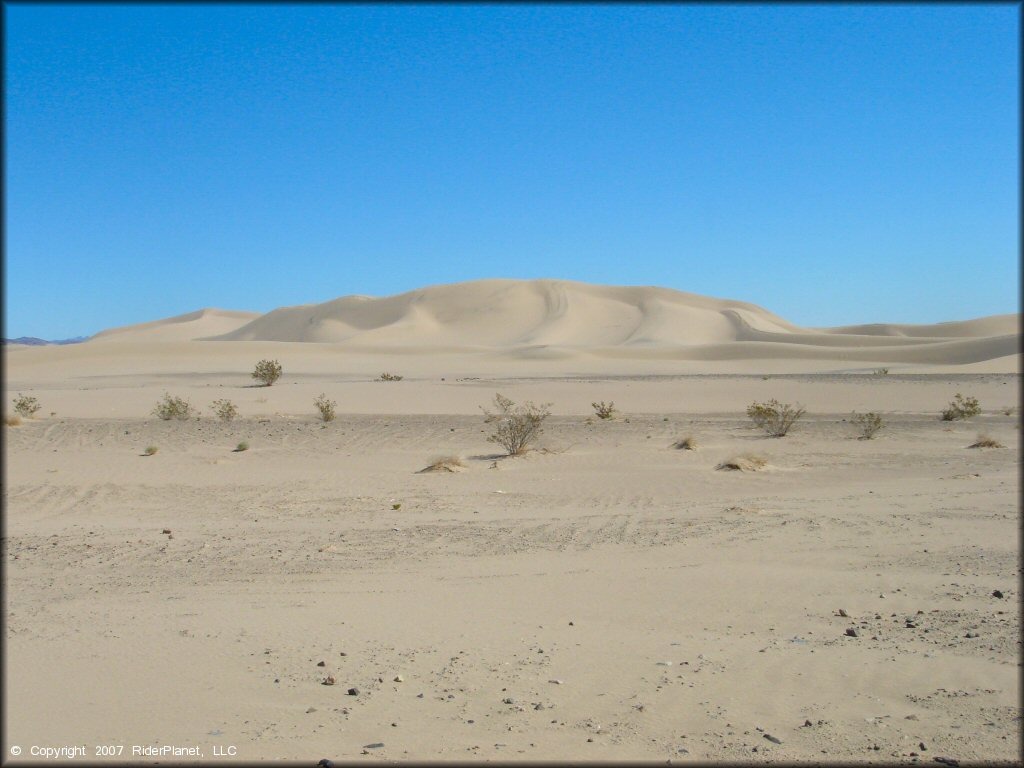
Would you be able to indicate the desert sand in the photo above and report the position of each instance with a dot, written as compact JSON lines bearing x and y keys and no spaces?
{"x":604,"y":597}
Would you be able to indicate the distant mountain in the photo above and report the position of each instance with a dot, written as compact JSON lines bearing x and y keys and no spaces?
{"x":32,"y":341}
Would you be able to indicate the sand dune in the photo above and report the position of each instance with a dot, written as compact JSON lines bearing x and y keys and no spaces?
{"x":552,"y":320}
{"x":187,"y":327}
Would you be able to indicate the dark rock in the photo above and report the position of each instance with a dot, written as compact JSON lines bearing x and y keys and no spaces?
{"x":325,"y":763}
{"x":998,"y":594}
{"x":947,"y":761}
{"x":772,"y":739}
{"x":375,"y":745}
{"x":851,"y":632}
{"x":353,"y":691}
{"x":321,"y":663}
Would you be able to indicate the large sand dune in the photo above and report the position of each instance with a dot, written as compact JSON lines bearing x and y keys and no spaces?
{"x":495,"y":322}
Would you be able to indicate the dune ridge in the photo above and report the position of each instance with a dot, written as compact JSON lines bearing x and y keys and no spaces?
{"x":564,"y":320}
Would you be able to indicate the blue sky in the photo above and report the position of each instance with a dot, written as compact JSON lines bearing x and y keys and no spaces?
{"x":835,"y":164}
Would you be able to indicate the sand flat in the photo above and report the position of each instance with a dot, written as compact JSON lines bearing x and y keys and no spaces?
{"x":605,"y":597}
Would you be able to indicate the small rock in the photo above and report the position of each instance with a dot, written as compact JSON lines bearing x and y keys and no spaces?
{"x":353,"y":691}
{"x":325,"y":763}
{"x":947,"y":761}
{"x":166,"y":530}
{"x":508,"y":700}
{"x":311,"y":710}
{"x":772,"y":739}
{"x":399,"y":679}
{"x":375,"y":745}
{"x":922,"y":747}
{"x":321,"y":663}
{"x":998,"y":594}
{"x":343,"y":654}
{"x":851,"y":632}
{"x":807,"y":724}
{"x":555,"y":682}
{"x":539,"y":706}
{"x":843,"y":613}
{"x":329,"y":680}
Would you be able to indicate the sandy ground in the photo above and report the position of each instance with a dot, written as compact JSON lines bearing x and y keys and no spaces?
{"x":606,"y":598}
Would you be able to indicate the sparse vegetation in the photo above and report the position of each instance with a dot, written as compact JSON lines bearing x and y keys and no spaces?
{"x":444,"y":464}
{"x":746,"y":462}
{"x":267,"y":371}
{"x":242,"y":446}
{"x":389,"y":377}
{"x":517,"y":425}
{"x":325,"y":406}
{"x":774,"y":417}
{"x":150,"y":450}
{"x":688,"y":443}
{"x":868,"y":424}
{"x":881,"y":372}
{"x":604,"y":410}
{"x":984,"y":441}
{"x":225,"y":409}
{"x":1009,"y":410}
{"x":961,"y":407}
{"x":26,"y":406}
{"x":12,"y":421}
{"x":173,"y":408}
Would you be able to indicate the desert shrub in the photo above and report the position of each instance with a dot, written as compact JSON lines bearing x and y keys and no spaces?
{"x":173,"y":408}
{"x":225,"y":409}
{"x":961,"y":407}
{"x":150,"y":450}
{"x":517,"y":425}
{"x":267,"y":371}
{"x":1009,"y":410}
{"x":389,"y":377}
{"x":26,"y":406}
{"x":984,"y":441}
{"x":774,"y":417}
{"x":502,"y":407}
{"x":746,"y":462}
{"x":325,"y":406}
{"x":12,"y":421}
{"x":868,"y":424}
{"x":881,"y":371}
{"x":445,"y":464}
{"x":688,"y":443}
{"x":604,"y":410}
{"x":242,"y":446}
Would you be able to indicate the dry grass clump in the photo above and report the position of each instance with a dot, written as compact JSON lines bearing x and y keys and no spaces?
{"x":267,"y":371}
{"x":881,"y":372}
{"x":868,"y":424}
{"x":444,"y":464}
{"x":774,"y":417}
{"x":12,"y":421}
{"x":517,"y":425}
{"x":604,"y":410}
{"x":242,"y":446}
{"x":325,"y":406}
{"x":173,"y":408}
{"x":389,"y":377}
{"x":961,"y":407}
{"x":984,"y":441}
{"x":26,"y":406}
{"x":688,"y":443}
{"x":746,"y":462}
{"x":150,"y":450}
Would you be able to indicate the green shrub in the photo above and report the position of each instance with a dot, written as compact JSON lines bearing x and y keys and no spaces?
{"x":325,"y":406}
{"x":961,"y":407}
{"x":26,"y":406}
{"x":604,"y":410}
{"x":242,"y":446}
{"x":173,"y":408}
{"x":881,"y":372}
{"x":225,"y":409}
{"x":389,"y":377}
{"x":867,"y":423}
{"x":517,"y":425}
{"x":267,"y":371}
{"x":774,"y":417}
{"x":150,"y":450}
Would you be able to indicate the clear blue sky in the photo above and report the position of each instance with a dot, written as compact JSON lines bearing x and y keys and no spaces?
{"x":835,"y":164}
